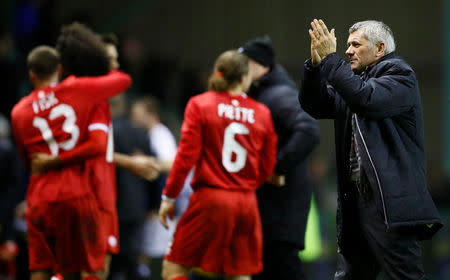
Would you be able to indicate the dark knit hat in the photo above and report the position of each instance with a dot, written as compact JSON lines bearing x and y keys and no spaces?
{"x":260,"y":50}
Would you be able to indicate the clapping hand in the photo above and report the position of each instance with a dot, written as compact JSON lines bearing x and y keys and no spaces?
{"x":323,"y":42}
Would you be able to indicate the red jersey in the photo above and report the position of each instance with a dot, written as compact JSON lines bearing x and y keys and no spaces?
{"x":102,"y":168}
{"x":55,"y":119}
{"x":229,"y":139}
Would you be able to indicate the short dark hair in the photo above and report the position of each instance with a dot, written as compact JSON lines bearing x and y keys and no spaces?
{"x":82,"y":51}
{"x":110,"y":38}
{"x":151,"y":104}
{"x":43,"y":61}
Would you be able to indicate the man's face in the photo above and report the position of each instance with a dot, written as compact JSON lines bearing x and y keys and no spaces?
{"x":359,"y":51}
{"x":139,"y":115}
{"x":256,"y":70}
{"x":246,"y":82}
{"x":252,"y":68}
{"x":113,"y":55}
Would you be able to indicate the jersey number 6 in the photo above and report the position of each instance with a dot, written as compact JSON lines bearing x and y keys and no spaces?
{"x":230,"y":146}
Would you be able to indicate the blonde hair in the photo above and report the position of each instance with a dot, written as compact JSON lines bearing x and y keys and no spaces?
{"x":228,"y":70}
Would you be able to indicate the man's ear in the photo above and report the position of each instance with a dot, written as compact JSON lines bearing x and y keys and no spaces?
{"x":32,"y":76}
{"x":60,"y":70}
{"x":381,"y":49}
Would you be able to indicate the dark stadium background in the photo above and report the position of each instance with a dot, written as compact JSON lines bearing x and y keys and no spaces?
{"x":169,"y":47}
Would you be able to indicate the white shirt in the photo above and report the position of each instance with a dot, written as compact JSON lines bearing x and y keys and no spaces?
{"x":162,"y":142}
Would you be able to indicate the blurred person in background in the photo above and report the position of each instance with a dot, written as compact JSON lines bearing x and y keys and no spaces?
{"x":132,"y":194}
{"x":284,"y":205}
{"x":146,"y":113}
{"x":133,"y":155}
{"x":384,"y":207}
{"x":12,"y":75}
{"x":10,"y":196}
{"x":140,"y":165}
{"x":229,"y":138}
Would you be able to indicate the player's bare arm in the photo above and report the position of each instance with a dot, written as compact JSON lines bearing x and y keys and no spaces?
{"x":165,"y":165}
{"x":141,"y":165}
{"x":42,"y":163}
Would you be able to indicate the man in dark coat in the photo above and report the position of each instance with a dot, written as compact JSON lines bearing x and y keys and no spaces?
{"x":132,"y":194}
{"x":285,"y":200}
{"x":384,"y":206}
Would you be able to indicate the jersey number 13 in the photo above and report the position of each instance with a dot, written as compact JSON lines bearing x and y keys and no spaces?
{"x":68,"y":126}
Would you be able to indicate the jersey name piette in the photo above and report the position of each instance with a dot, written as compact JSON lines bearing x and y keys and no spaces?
{"x":236,"y":113}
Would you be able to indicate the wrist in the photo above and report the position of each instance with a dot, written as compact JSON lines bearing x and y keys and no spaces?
{"x":315,"y":63}
{"x":309,"y":65}
{"x":166,"y":198}
{"x":56,"y":161}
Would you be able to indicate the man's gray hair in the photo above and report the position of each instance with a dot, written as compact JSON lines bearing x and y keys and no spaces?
{"x":376,"y":32}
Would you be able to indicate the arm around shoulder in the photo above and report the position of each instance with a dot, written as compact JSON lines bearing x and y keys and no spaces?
{"x":102,"y":87}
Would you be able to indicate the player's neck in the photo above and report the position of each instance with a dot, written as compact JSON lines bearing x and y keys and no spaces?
{"x":45,"y":83}
{"x":235,"y":91}
{"x":152,"y":122}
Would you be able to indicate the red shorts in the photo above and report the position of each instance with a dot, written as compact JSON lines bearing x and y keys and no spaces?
{"x":66,"y":236}
{"x":110,"y":221}
{"x":220,"y":233}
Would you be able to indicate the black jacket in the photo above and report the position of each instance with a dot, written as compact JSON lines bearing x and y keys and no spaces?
{"x":386,"y":100}
{"x":11,"y":191}
{"x":132,"y":190}
{"x":284,"y":210}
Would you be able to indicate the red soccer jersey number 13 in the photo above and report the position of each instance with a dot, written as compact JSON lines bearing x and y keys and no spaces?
{"x":54,"y":120}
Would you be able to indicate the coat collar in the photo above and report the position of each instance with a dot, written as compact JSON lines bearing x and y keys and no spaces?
{"x":370,"y":67}
{"x":388,"y":56}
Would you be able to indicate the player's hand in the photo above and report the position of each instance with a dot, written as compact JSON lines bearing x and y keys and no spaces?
{"x":145,"y":166}
{"x":323,"y":42}
{"x":42,"y":162}
{"x":8,"y":250}
{"x":167,"y":208}
{"x":152,"y":214}
{"x":277,"y":180}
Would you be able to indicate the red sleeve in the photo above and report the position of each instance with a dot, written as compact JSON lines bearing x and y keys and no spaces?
{"x":102,"y":87}
{"x":19,"y":143}
{"x":189,"y":150}
{"x":100,"y":114}
{"x":93,"y":147}
{"x":98,"y":137}
{"x":269,"y":151}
